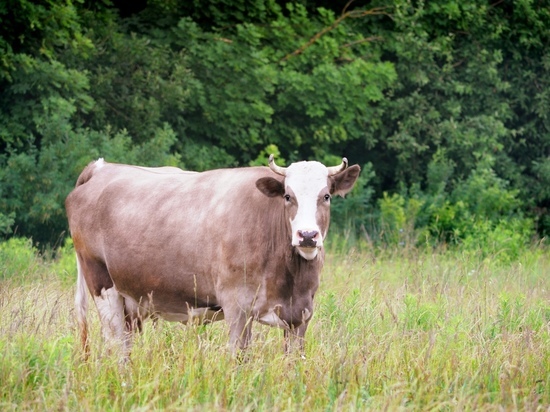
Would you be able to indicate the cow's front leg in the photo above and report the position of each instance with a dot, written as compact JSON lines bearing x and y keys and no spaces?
{"x":294,"y":338}
{"x":240,"y":327}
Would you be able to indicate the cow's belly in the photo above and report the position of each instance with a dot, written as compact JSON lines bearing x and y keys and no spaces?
{"x":160,"y":286}
{"x":173,"y":313}
{"x":194,"y":315}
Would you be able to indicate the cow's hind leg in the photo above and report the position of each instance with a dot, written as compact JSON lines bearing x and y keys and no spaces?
{"x":114,"y":325}
{"x":109,"y":303}
{"x":133,"y":320}
{"x":81,"y":307}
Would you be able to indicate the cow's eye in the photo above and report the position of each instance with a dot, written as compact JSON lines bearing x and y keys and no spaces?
{"x":327,"y":197}
{"x":287,"y":198}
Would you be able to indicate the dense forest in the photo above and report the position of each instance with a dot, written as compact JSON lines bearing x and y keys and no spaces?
{"x":445,"y":105}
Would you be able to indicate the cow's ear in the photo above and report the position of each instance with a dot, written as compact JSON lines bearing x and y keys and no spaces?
{"x":270,"y":186}
{"x":343,"y":182}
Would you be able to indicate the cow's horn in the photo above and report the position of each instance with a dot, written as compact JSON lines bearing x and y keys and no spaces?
{"x":337,"y":169}
{"x":277,"y":169}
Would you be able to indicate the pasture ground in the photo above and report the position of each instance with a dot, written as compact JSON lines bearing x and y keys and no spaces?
{"x":392,"y":331}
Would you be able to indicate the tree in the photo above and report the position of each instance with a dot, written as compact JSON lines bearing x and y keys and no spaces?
{"x":432,"y":95}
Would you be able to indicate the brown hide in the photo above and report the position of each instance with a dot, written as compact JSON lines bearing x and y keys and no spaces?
{"x":191,"y":240}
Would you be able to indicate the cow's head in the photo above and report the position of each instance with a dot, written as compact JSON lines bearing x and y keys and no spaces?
{"x":306,"y":191}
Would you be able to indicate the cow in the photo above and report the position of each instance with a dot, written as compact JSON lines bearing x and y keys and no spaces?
{"x":240,"y":244}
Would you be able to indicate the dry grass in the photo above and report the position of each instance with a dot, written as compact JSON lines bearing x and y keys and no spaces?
{"x":424,"y":332}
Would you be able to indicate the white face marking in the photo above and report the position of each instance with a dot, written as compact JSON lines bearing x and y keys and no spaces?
{"x":306,"y":180}
{"x":99,"y":163}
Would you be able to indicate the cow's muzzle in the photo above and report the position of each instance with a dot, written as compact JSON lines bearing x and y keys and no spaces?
{"x":308,"y":238}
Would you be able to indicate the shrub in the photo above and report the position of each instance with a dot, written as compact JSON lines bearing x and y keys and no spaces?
{"x":19,"y":259}
{"x":64,"y":264}
{"x":503,"y":240}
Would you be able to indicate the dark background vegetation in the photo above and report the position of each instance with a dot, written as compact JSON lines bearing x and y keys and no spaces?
{"x":445,"y":104}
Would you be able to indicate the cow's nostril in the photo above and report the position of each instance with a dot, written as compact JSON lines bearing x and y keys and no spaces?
{"x":308,"y":238}
{"x":308,"y":234}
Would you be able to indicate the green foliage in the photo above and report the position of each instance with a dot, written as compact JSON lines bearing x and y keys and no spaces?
{"x":481,"y":215}
{"x":446,"y":102}
{"x":40,"y":30}
{"x":351,"y":211}
{"x":455,"y":94}
{"x":487,"y":195}
{"x":63,"y":266}
{"x":6,"y":223}
{"x":421,"y":315}
{"x":248,"y":93}
{"x":19,"y":259}
{"x":488,"y":216}
{"x":263,"y":156}
{"x":139,"y":84}
{"x":503,"y":240}
{"x":397,"y":218}
{"x":392,"y":217}
{"x":510,"y":314}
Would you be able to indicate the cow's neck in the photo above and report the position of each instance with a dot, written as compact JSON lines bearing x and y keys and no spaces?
{"x":302,"y":273}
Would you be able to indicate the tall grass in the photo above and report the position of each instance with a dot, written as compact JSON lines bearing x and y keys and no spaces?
{"x":391,"y":331}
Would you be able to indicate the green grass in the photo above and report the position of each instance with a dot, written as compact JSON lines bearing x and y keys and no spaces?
{"x":411,"y":331}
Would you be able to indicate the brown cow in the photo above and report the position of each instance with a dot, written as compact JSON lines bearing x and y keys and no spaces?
{"x":241,"y":244}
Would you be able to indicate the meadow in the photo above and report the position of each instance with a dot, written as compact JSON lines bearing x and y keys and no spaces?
{"x":393,"y":330}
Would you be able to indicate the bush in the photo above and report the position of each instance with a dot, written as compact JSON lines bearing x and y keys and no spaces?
{"x":504,"y":240}
{"x":480,"y":215}
{"x":19,"y":259}
{"x":398,"y":216}
{"x":64,"y":264}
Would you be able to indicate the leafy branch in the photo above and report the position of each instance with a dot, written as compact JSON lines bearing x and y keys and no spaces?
{"x":353,"y":14}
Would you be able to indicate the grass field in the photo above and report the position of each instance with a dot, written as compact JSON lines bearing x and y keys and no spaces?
{"x":392,"y":331}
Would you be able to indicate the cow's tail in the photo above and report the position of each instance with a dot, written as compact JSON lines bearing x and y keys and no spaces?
{"x":89,"y":171}
{"x":81,"y":307}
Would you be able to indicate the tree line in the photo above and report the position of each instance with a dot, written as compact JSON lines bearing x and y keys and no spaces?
{"x":444,"y":104}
